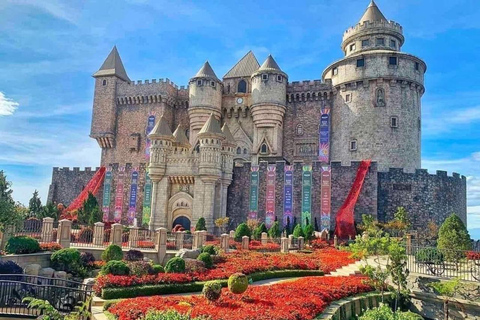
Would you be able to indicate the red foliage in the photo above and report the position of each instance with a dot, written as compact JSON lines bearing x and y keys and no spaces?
{"x":277,"y":301}
{"x":246,"y":262}
{"x":50,"y":246}
{"x":257,"y":245}
{"x":473,"y":255}
{"x":318,"y":244}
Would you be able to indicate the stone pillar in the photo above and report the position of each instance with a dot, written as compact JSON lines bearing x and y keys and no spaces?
{"x":159,"y":204}
{"x":409,"y":244}
{"x":203,"y":234}
{"x":290,"y":240}
{"x":196,"y":244}
{"x":64,"y":232}
{"x":284,"y":245}
{"x":264,"y":238}
{"x":232,"y":234}
{"x":209,"y":203}
{"x":116,"y":234}
{"x":301,"y":243}
{"x":133,"y":237}
{"x":224,"y":238}
{"x":245,"y":242}
{"x":335,"y":241}
{"x":179,"y":236}
{"x":161,"y":245}
{"x":47,"y":229}
{"x":98,"y":233}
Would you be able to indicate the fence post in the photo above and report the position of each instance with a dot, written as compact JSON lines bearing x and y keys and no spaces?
{"x":232,"y":234}
{"x":264,"y":238}
{"x":335,"y":241}
{"x":47,"y":229}
{"x":133,"y":237}
{"x":196,"y":240}
{"x":161,"y":245}
{"x":116,"y":234}
{"x":284,"y":245}
{"x":6,"y":235}
{"x":98,"y":233}
{"x":64,"y":233}
{"x":290,"y":241}
{"x":245,"y":241}
{"x":203,"y":235}
{"x":179,"y":236}
{"x":301,"y":243}
{"x":409,"y":244}
{"x":224,"y":242}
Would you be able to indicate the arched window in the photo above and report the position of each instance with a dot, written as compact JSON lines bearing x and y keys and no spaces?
{"x":104,"y":82}
{"x":197,"y":148}
{"x":299,"y":130}
{"x":242,"y":86}
{"x":263,"y":148}
{"x":239,"y":150}
{"x":245,"y":151}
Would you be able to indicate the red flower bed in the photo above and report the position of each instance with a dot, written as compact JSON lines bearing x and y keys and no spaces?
{"x":246,"y":262}
{"x":473,"y":255}
{"x":257,"y":245}
{"x":50,"y":246}
{"x":300,"y":299}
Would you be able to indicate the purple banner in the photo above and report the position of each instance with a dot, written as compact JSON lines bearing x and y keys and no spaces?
{"x":324,"y":136}
{"x":150,"y":125}
{"x":132,"y":204}
{"x":270,"y":205}
{"x":288,"y":197}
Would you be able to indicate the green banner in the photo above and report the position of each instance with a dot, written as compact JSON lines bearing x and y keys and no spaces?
{"x":253,"y":193}
{"x":147,"y":200}
{"x":306,"y":195}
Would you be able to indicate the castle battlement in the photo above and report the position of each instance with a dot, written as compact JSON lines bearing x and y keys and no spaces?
{"x":309,"y":85}
{"x":425,"y":173}
{"x":368,"y":25}
{"x":74,"y":169}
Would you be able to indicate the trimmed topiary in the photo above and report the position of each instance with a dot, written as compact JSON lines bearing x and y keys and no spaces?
{"x":207,"y":259}
{"x":68,"y":260}
{"x":298,"y":231}
{"x":87,"y":259}
{"x":237,"y":283}
{"x":308,"y":231}
{"x":113,"y":252}
{"x":10,"y":267}
{"x":210,"y":249}
{"x":212,"y":290}
{"x":157,"y":269}
{"x":115,"y":267}
{"x":134,"y":255}
{"x":241,"y":231}
{"x":175,"y":265}
{"x":200,"y":225}
{"x":22,"y":245}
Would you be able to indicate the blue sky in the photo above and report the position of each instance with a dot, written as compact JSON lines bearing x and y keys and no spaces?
{"x":49,"y":50}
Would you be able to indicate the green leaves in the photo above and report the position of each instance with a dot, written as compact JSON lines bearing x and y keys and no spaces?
{"x":453,"y":237}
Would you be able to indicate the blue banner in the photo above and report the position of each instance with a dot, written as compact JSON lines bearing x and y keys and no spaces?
{"x":150,"y":125}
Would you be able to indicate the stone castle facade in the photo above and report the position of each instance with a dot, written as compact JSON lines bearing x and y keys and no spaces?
{"x":200,"y":142}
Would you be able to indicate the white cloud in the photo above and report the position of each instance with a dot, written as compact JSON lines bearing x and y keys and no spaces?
{"x":7,"y":106}
{"x":467,"y":115}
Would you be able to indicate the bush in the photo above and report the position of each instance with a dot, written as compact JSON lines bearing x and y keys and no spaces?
{"x":117,"y":268}
{"x":210,"y":249}
{"x":453,"y":237}
{"x":140,"y":268}
{"x":298,"y":231}
{"x":212,"y":290}
{"x":175,"y":265}
{"x":237,"y":283}
{"x":87,"y":259}
{"x":241,"y":231}
{"x":22,"y":245}
{"x":85,"y":235}
{"x":67,"y":260}
{"x":200,"y":225}
{"x":134,"y":255}
{"x":207,"y":259}
{"x":274,"y":231}
{"x":308,"y":231}
{"x":385,"y":313}
{"x":113,"y":252}
{"x":157,"y":269}
{"x":429,"y":255}
{"x":10,"y":267}
{"x":257,"y":233}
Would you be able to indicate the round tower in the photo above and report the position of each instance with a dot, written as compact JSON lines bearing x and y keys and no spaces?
{"x":269,"y":89}
{"x":377,"y":108}
{"x":205,"y":98}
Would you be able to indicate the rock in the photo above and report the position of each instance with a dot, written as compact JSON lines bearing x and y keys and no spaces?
{"x":89,"y":282}
{"x":32,"y":269}
{"x":61,"y":276}
{"x":46,"y":272}
{"x":188,"y":253}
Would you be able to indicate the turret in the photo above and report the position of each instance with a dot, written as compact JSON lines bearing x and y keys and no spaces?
{"x":162,"y":143}
{"x":205,"y":98}
{"x":181,"y":141}
{"x":104,"y":115}
{"x":210,"y":138}
{"x":269,"y":87}
{"x":228,"y":151}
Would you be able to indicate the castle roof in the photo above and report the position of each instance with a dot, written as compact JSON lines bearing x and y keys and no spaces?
{"x":245,"y":67}
{"x":228,"y":134}
{"x":211,"y":126}
{"x":270,"y":65}
{"x":372,"y":13}
{"x":113,"y":66}
{"x":161,"y":129}
{"x":180,"y":136}
{"x":206,"y":71}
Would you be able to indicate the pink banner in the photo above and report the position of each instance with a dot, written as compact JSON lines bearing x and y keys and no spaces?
{"x":270,"y":197}
{"x":326,"y":192}
{"x":117,"y":216}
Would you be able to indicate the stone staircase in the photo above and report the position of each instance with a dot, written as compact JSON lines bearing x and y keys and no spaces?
{"x":354,"y":268}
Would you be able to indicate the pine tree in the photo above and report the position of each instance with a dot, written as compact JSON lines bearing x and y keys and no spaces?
{"x":274,"y":231}
{"x":453,"y":237}
{"x":9,"y":215}
{"x":89,"y":213}
{"x":35,"y":204}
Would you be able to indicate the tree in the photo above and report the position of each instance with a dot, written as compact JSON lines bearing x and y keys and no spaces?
{"x":9,"y":211}
{"x":257,"y":233}
{"x":446,"y":289}
{"x":308,"y":231}
{"x":397,"y":268}
{"x":298,"y":231}
{"x":274,"y":231}
{"x":90,"y":211}
{"x":35,"y":204}
{"x":453,"y":239}
{"x":49,"y":210}
{"x":200,"y":224}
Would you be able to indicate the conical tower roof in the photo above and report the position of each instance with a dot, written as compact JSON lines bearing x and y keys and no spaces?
{"x":161,"y":129}
{"x":113,"y":66}
{"x":211,"y":126}
{"x":206,"y":71}
{"x":228,"y":134}
{"x":180,"y":136}
{"x":372,"y":13}
{"x":245,"y":67}
{"x":270,"y":64}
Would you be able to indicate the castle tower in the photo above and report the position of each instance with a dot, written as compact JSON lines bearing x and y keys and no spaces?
{"x":269,"y":88}
{"x":378,"y":90}
{"x":181,"y":141}
{"x":228,"y":151}
{"x":210,"y":138}
{"x":162,"y":141}
{"x":205,"y":98}
{"x":104,"y":115}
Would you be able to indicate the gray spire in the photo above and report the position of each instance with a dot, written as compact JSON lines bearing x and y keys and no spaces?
{"x":372,"y":14}
{"x":206,"y":71}
{"x":181,"y":137}
{"x":113,"y":66}
{"x":228,"y":135}
{"x":245,"y":67}
{"x":270,"y":64}
{"x":211,"y":126}
{"x":161,"y":129}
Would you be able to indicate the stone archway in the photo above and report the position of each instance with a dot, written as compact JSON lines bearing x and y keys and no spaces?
{"x":182,"y":220}
{"x":180,"y":205}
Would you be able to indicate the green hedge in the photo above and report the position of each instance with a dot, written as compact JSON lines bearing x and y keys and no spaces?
{"x":150,"y":290}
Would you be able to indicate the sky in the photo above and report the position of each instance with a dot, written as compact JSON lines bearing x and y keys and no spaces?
{"x":49,"y":50}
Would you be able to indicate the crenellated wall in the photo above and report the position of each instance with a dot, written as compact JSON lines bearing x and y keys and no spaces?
{"x":68,"y":183}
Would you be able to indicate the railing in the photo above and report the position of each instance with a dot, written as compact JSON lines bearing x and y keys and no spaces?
{"x":82,"y":237}
{"x":187,"y":241}
{"x":142,"y":239}
{"x":171,"y":241}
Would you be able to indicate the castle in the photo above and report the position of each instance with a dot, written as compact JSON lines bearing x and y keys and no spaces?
{"x":254,"y":145}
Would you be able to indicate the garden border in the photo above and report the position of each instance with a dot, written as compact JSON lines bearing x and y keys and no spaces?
{"x":346,"y":308}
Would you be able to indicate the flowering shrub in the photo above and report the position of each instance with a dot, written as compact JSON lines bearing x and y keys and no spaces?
{"x":277,"y":301}
{"x":257,"y":245}
{"x":246,"y":262}
{"x":473,"y":255}
{"x":50,"y":246}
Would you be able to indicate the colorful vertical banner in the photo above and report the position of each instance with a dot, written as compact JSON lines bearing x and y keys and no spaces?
{"x":326,"y":197}
{"x":288,"y":196}
{"x":253,"y":192}
{"x":150,"y":125}
{"x":107,"y":188}
{"x":147,"y":200}
{"x":306,"y":195}
{"x":324,"y":136}
{"x":270,"y":197}
{"x":132,"y":203}
{"x":117,"y":215}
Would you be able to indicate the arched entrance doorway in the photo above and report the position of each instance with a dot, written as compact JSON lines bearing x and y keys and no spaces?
{"x":180,"y":210}
{"x":183,"y":221}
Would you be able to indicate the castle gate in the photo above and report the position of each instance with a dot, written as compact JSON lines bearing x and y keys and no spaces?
{"x":180,"y":210}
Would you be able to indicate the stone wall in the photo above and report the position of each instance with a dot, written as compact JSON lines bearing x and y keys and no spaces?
{"x":68,"y":183}
{"x":425,"y":196}
{"x":41,"y":258}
